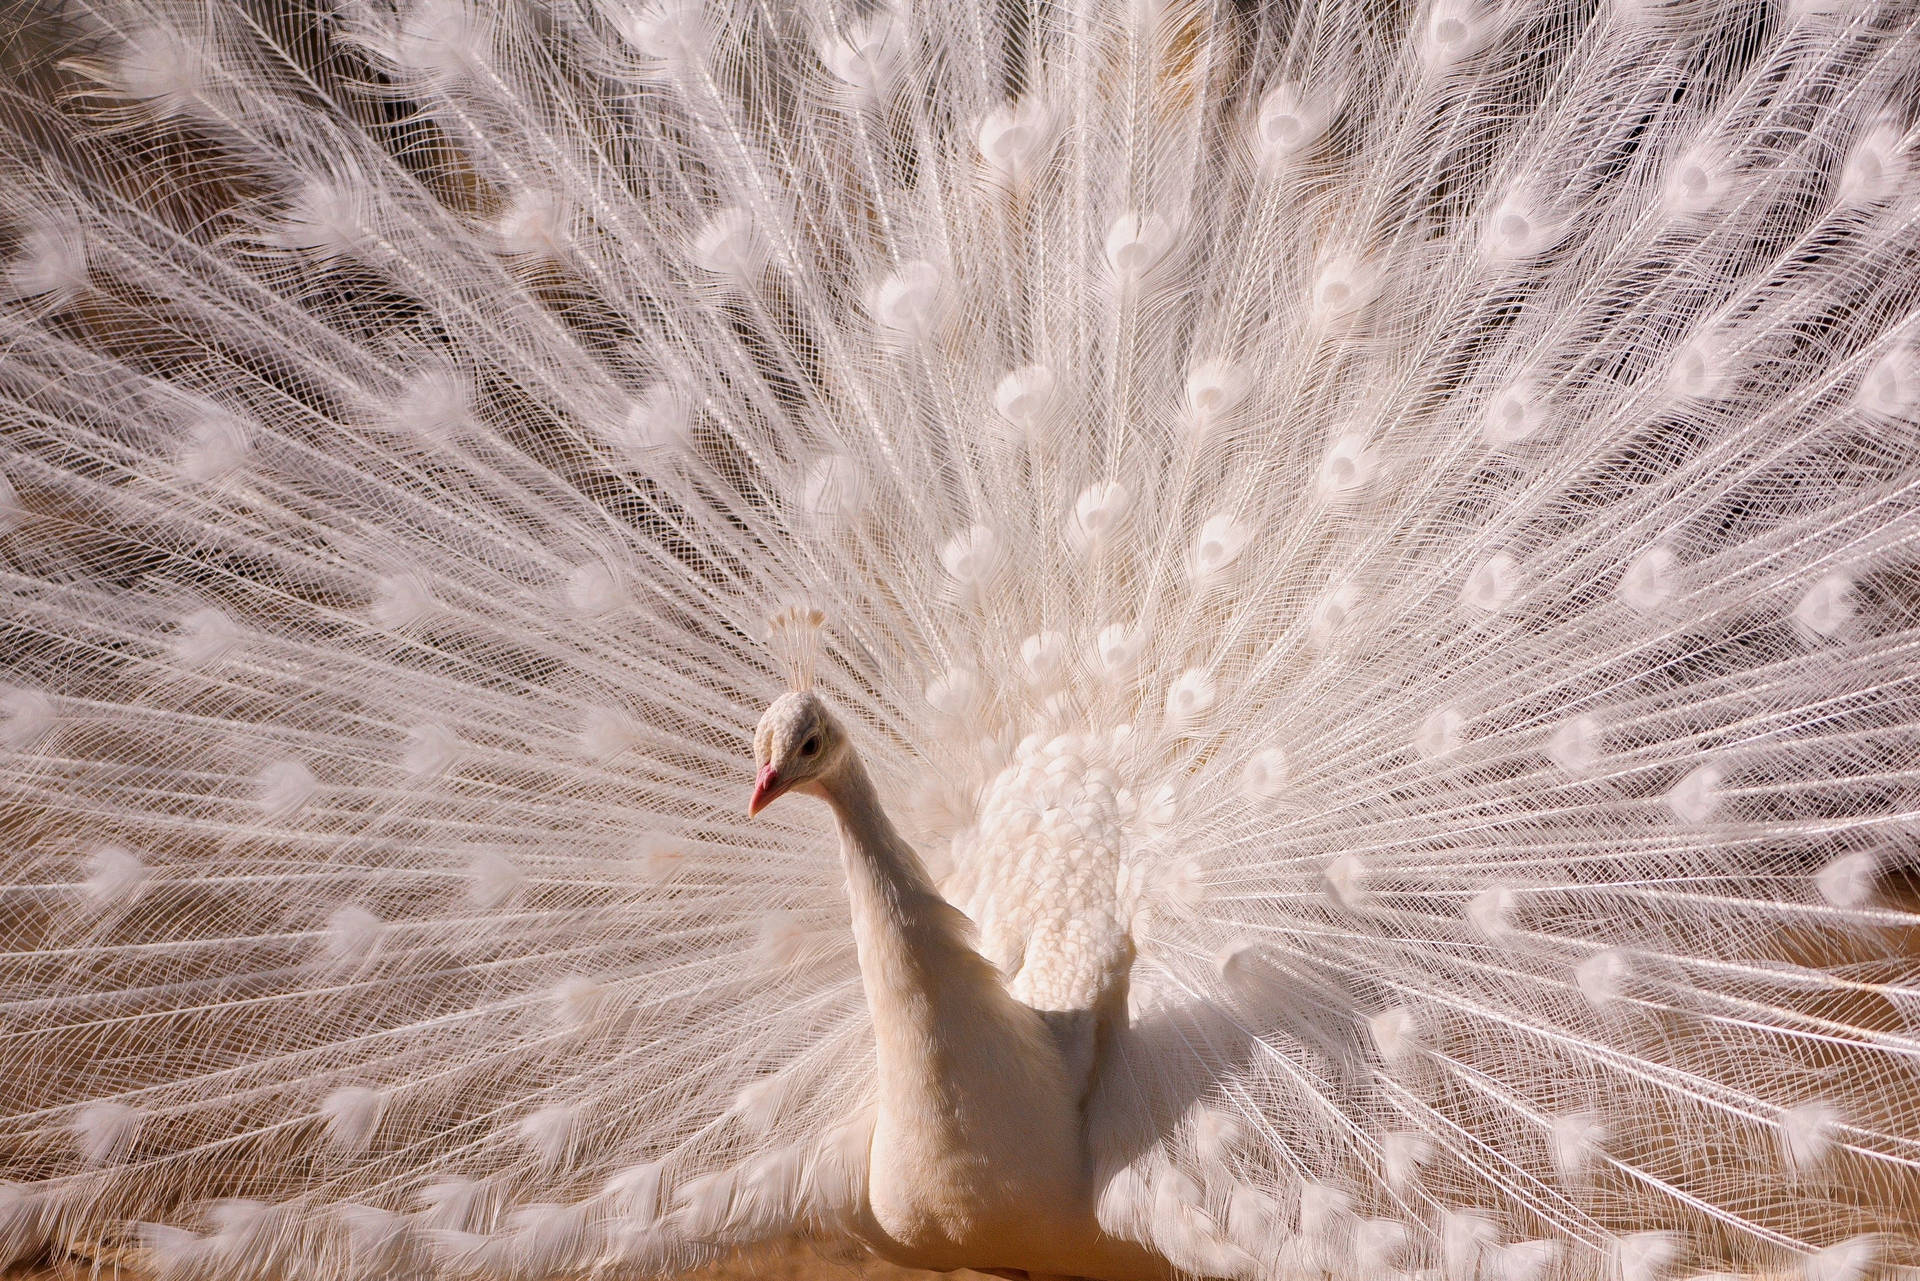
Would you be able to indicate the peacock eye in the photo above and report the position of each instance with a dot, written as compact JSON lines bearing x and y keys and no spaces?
{"x":811,"y":746}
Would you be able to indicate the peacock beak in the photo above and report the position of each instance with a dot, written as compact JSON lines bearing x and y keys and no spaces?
{"x":765,"y":788}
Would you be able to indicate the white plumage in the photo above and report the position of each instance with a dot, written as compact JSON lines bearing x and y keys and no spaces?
{"x":1368,"y":548}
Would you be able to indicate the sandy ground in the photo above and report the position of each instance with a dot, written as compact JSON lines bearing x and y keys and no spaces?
{"x":801,"y":1262}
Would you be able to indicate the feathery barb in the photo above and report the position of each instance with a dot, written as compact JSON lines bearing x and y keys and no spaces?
{"x":1373,"y":548}
{"x":795,"y":634}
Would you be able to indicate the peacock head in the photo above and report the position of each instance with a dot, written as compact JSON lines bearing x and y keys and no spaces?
{"x":797,"y":742}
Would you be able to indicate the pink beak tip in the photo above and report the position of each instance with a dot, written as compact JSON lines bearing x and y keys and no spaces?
{"x":765,"y":787}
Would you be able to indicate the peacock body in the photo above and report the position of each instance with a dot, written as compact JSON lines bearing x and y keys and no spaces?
{"x":1370,"y":549}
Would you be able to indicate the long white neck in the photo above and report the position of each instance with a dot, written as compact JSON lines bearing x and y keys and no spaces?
{"x":978,"y":1135}
{"x":928,"y":989}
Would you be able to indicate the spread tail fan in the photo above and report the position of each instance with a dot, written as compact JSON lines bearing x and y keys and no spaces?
{"x":1372,"y":547}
